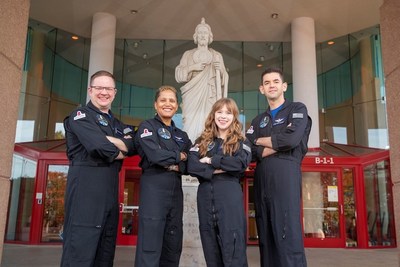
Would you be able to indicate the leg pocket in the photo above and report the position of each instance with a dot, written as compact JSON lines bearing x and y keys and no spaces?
{"x":153,"y":230}
{"x":84,"y":241}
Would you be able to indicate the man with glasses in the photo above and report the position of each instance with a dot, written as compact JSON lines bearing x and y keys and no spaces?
{"x":97,"y":142}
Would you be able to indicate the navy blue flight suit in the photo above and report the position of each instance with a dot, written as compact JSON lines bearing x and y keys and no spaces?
{"x":91,"y":197}
{"x":277,"y":184}
{"x":161,"y":197}
{"x":220,"y":204}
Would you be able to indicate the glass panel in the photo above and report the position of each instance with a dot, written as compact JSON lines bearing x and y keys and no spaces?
{"x":349,"y":208}
{"x":58,"y":111}
{"x":21,"y":197}
{"x":33,"y":118}
{"x":379,"y":204}
{"x":53,"y":216}
{"x":129,"y":207}
{"x":321,"y":205}
{"x":252,"y":228}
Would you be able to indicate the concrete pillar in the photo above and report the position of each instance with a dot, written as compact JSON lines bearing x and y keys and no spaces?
{"x":13,"y":29}
{"x":390,"y":31}
{"x":304,"y":62}
{"x":102,"y":44}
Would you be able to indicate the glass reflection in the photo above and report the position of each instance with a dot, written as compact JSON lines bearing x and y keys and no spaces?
{"x":321,"y":205}
{"x":21,"y":196}
{"x":378,"y":196}
{"x":53,"y":216}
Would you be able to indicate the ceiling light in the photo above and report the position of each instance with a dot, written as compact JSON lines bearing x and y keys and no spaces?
{"x":274,"y":15}
{"x":331,"y":42}
{"x":74,"y":37}
{"x":134,"y":11}
{"x":259,"y":65}
{"x":262,"y":58}
{"x":144,"y":56}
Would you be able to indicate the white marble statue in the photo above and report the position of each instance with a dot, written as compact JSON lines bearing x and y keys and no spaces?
{"x":203,"y":71}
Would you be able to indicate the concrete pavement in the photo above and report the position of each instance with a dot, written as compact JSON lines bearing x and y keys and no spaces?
{"x":49,"y":256}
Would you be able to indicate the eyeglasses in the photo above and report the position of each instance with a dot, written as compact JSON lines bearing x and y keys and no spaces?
{"x":101,"y":88}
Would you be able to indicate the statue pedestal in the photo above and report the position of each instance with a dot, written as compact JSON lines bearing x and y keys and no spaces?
{"x":192,"y":251}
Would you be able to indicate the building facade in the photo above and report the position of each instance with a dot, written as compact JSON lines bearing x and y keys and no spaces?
{"x":355,"y":112}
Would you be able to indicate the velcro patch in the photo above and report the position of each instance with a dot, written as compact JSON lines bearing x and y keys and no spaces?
{"x":194,"y":148}
{"x":79,"y":115}
{"x":146,"y":133}
{"x":250,"y":130}
{"x":298,"y":115}
{"x":247,"y":148}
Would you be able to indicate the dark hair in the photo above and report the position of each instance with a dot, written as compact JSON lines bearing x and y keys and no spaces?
{"x":165,"y":88}
{"x":101,"y":73}
{"x":271,"y":70}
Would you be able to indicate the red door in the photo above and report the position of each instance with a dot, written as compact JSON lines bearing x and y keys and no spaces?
{"x":129,"y":205}
{"x":323,"y":211}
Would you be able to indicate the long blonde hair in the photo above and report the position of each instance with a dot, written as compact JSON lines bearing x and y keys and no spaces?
{"x":234,"y":136}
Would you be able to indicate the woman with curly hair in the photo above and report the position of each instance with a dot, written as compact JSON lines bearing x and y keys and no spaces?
{"x":218,"y":159}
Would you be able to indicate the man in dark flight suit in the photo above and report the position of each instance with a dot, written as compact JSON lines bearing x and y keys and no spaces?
{"x":279,"y":136}
{"x":96,"y":144}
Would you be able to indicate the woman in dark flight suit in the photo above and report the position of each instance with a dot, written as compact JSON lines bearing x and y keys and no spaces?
{"x":163,"y":148}
{"x":218,"y":159}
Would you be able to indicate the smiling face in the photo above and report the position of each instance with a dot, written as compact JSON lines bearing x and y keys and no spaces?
{"x":102,"y":92}
{"x":223,"y":119}
{"x":166,"y":105}
{"x":273,"y":88}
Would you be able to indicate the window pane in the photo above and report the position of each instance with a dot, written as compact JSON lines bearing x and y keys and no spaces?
{"x":321,"y":205}
{"x":53,"y":216}
{"x":378,"y":196}
{"x":21,"y":196}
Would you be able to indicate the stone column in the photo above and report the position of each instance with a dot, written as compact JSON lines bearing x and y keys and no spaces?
{"x":102,"y":44}
{"x":192,"y":252}
{"x":13,"y":29}
{"x":390,"y":31}
{"x":304,"y":62}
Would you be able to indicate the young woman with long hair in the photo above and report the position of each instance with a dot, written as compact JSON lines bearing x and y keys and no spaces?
{"x":218,"y":159}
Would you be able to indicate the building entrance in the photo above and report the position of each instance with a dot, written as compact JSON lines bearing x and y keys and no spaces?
{"x":323,"y":208}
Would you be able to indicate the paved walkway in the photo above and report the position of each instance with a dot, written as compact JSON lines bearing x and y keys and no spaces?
{"x":49,"y":256}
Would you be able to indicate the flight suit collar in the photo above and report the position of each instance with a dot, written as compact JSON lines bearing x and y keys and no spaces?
{"x":284,"y":105}
{"x":93,"y":107}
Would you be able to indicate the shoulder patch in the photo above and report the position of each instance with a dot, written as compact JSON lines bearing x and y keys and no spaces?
{"x":79,"y":115}
{"x":194,"y":148}
{"x":247,"y":148}
{"x":146,"y":133}
{"x":298,"y":115}
{"x":250,"y":130}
